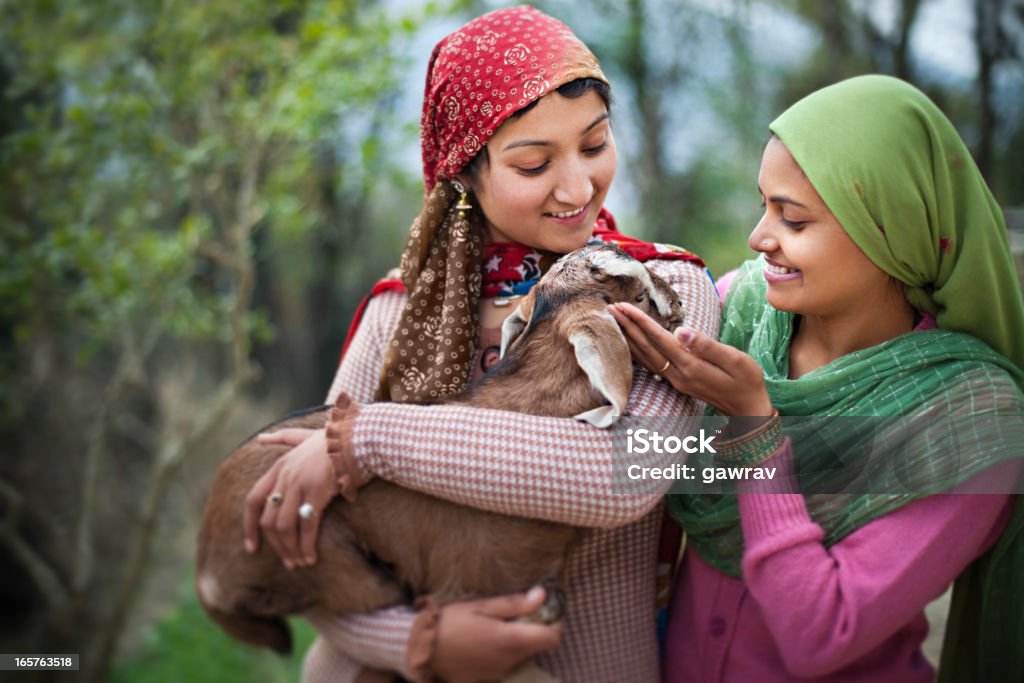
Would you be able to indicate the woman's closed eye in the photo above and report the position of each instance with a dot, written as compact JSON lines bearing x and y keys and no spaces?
{"x":532,"y":170}
{"x":540,"y":168}
{"x":791,"y":224}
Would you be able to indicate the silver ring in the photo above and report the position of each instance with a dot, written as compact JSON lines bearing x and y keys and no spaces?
{"x":307,"y":511}
{"x":275,"y":498}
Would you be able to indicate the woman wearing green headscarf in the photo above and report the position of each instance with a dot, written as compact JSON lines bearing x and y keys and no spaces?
{"x":884,"y":287}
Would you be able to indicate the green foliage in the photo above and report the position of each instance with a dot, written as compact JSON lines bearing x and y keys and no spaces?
{"x":150,"y":131}
{"x":724,"y":209}
{"x":151,"y":156}
{"x":187,"y":646}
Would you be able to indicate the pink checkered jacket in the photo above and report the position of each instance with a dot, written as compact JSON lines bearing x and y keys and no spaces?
{"x":552,"y":468}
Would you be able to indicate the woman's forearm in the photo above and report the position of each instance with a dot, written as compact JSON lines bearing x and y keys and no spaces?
{"x":828,"y":606}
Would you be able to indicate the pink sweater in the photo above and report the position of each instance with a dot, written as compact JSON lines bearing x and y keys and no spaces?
{"x":850,"y":612}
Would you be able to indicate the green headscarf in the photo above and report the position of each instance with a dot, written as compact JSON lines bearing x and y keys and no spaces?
{"x":898,"y":178}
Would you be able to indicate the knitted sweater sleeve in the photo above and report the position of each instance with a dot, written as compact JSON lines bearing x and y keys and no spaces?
{"x":558,"y":469}
{"x":826,"y":607}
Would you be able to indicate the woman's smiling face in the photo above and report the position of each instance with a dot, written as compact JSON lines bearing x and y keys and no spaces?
{"x":547,"y":173}
{"x":813,"y":267}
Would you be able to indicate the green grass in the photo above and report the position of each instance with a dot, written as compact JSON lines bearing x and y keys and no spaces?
{"x":187,"y":646}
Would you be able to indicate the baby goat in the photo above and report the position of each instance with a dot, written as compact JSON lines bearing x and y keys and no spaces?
{"x":562,"y":355}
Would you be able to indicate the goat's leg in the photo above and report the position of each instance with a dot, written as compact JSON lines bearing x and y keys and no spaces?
{"x":551,"y":611}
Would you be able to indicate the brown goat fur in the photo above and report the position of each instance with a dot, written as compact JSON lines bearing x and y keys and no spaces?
{"x":394,"y":544}
{"x":541,"y":340}
{"x":389,"y":546}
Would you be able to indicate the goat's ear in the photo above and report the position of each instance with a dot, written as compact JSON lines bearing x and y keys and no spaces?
{"x":516,"y":322}
{"x":602,"y":353}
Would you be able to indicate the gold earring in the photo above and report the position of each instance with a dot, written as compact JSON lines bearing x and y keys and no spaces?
{"x":463,"y":205}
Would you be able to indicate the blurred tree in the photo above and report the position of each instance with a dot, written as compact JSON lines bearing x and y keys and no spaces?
{"x":877,"y":37}
{"x":150,"y":156}
{"x":654,"y":53}
{"x":999,"y":41}
{"x":852,"y":39}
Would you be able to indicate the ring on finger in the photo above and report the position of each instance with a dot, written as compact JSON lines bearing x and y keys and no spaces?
{"x":657,"y":375}
{"x":275,"y":498}
{"x":307,"y":511}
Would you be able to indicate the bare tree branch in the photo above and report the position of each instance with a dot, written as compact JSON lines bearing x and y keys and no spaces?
{"x":46,"y":579}
{"x":219,"y":255}
{"x":129,"y":367}
{"x":238,"y":258}
{"x":986,"y":40}
{"x":901,"y":49}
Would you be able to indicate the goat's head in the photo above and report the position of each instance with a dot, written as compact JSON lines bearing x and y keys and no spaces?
{"x":586,"y":281}
{"x":607,"y":272}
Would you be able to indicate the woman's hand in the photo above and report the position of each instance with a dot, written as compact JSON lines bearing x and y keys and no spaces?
{"x":476,"y":641}
{"x":302,"y":476}
{"x":700,"y":366}
{"x":291,"y":436}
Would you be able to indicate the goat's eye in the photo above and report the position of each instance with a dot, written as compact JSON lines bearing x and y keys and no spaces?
{"x":594,"y":270}
{"x":641,"y":296}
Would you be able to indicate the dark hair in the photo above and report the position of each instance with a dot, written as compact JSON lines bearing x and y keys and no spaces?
{"x":571,"y":90}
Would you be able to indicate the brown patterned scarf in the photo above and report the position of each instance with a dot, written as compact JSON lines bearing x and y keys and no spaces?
{"x":433,"y":346}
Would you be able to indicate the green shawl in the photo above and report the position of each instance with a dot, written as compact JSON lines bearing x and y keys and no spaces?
{"x":895,"y":173}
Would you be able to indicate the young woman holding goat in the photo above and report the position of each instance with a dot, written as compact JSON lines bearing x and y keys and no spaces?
{"x":518,"y":155}
{"x":884,"y":287}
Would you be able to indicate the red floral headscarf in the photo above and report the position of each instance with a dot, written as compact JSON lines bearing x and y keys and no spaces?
{"x":477,"y":77}
{"x":486,"y":71}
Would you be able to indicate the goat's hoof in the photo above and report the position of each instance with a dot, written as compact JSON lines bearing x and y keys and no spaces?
{"x":553,"y":608}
